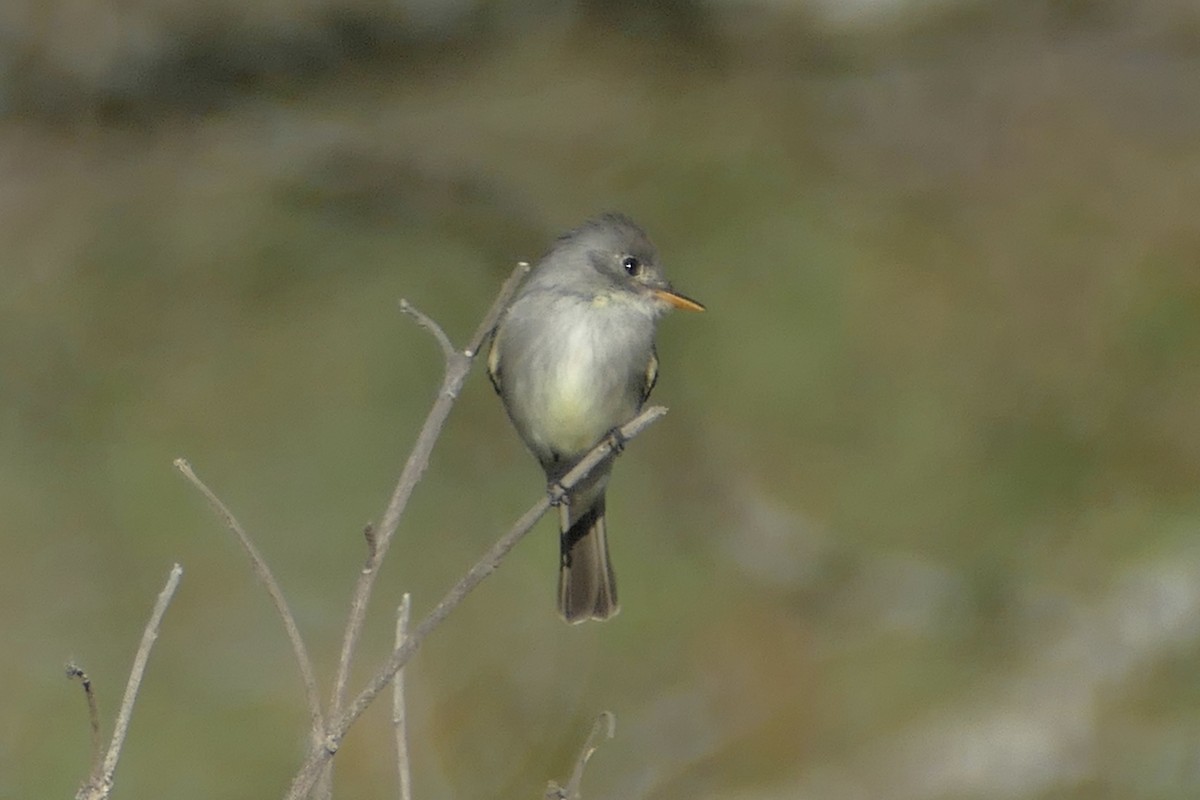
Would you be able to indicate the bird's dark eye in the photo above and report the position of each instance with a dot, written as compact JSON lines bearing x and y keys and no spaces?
{"x":631,"y":265}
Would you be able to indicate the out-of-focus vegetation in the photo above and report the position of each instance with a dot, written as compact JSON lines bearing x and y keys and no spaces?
{"x":922,"y":520}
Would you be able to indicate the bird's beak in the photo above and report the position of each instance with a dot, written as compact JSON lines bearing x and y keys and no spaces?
{"x":677,"y":300}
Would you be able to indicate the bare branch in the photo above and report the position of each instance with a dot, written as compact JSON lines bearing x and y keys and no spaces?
{"x":75,"y":672}
{"x":603,"y":729}
{"x":457,"y":367}
{"x":149,"y":636}
{"x":369,"y":536}
{"x":101,"y":786}
{"x":399,"y":713}
{"x":498,"y":305}
{"x":319,"y":756}
{"x":428,"y":324}
{"x":264,"y":574}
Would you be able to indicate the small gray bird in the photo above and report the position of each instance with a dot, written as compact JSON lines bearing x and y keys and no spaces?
{"x":573,"y":358}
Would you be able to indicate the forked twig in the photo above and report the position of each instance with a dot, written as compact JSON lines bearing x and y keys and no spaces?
{"x":319,"y":756}
{"x":458,"y":364}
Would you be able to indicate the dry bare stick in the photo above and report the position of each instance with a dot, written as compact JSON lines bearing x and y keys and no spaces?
{"x":267,"y":578}
{"x":100,"y":787}
{"x":458,"y":364}
{"x":604,"y":728}
{"x":320,"y":755}
{"x":75,"y":672}
{"x":399,"y":714}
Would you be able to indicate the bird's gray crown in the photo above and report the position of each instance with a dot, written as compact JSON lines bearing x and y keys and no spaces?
{"x":612,"y":229}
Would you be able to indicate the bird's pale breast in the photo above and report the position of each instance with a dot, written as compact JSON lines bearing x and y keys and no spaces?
{"x":586,"y":385}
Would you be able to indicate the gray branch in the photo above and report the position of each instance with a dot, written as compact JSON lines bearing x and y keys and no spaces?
{"x":458,"y":364}
{"x":99,"y":786}
{"x":75,"y":672}
{"x":603,"y":729}
{"x":399,"y":712}
{"x":264,"y":574}
{"x":319,"y":756}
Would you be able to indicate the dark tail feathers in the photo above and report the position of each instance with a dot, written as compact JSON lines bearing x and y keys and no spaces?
{"x":587,"y":588}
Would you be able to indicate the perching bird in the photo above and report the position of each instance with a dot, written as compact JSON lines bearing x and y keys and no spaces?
{"x":573,"y":358}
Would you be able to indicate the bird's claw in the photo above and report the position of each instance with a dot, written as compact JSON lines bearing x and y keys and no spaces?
{"x":557,"y":494}
{"x":617,"y":440}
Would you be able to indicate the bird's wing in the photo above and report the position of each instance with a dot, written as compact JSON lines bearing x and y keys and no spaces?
{"x":493,"y":360}
{"x":651,"y":375}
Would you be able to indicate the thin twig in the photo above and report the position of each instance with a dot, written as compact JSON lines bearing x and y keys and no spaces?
{"x":507,"y":290}
{"x":75,"y":672}
{"x":320,"y":755}
{"x":427,"y":322}
{"x":457,"y":366}
{"x":99,"y":789}
{"x":399,"y":713}
{"x":263,"y":572}
{"x":604,"y":728}
{"x":149,"y":636}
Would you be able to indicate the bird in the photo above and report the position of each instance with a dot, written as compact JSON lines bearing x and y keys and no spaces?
{"x":573,"y":358}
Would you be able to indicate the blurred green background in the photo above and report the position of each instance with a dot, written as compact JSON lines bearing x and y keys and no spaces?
{"x":922,"y":520}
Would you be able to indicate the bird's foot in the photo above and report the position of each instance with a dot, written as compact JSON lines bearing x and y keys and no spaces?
{"x":557,"y":494}
{"x":617,"y":440}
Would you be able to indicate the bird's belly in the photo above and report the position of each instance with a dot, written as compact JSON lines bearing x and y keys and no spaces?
{"x":586,"y":392}
{"x":581,"y":408}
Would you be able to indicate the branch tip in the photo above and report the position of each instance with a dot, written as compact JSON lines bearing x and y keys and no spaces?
{"x":498,"y":306}
{"x":604,"y":728}
{"x":428,"y":323}
{"x":100,"y":781}
{"x":263,"y":572}
{"x":76,"y":672}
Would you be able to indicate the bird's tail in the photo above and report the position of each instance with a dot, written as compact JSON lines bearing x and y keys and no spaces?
{"x":587,"y":588}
